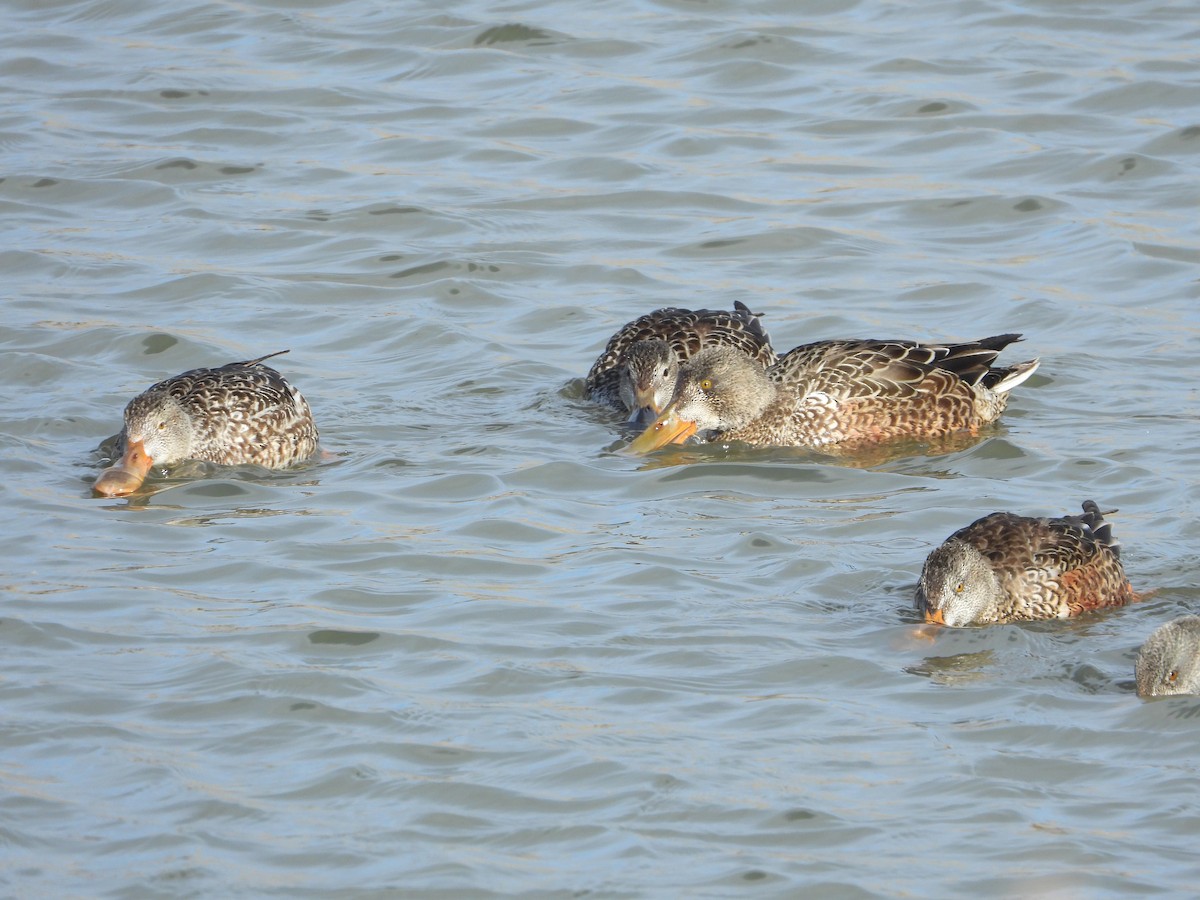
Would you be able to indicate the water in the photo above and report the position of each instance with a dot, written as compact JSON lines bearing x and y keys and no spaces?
{"x":475,"y":651}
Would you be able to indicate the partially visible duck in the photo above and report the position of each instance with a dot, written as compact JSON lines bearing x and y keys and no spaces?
{"x":1010,"y":568}
{"x":243,"y":412}
{"x":1169,"y":661}
{"x":839,"y":395}
{"x":637,"y":370}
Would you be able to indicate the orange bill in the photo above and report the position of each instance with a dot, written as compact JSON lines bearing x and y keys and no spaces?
{"x":667,"y":429}
{"x":934,"y":616}
{"x":127,"y":474}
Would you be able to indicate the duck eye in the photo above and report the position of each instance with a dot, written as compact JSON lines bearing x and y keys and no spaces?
{"x":162,"y":426}
{"x":706,"y":384}
{"x":1173,"y":677}
{"x":959,"y":588}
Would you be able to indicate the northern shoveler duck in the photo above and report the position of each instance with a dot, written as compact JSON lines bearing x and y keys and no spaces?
{"x":243,"y":412}
{"x":1010,"y":568}
{"x":840,"y":395}
{"x":1169,"y":661}
{"x":637,"y":370}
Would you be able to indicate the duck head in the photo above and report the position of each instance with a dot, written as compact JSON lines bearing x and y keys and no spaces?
{"x":158,"y":432}
{"x":648,"y":372}
{"x":718,"y":389}
{"x":958,"y":586}
{"x":1169,"y":662}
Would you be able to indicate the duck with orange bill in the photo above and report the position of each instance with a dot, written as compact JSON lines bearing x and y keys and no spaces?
{"x":839,"y":395}
{"x":1010,"y":568}
{"x":243,"y":412}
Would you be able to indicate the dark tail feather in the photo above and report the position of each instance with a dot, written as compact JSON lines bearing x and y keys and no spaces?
{"x":998,"y":342}
{"x":972,"y":361}
{"x":255,"y":362}
{"x":1101,"y":530}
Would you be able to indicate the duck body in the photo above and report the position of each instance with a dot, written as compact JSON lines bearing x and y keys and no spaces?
{"x":243,"y":412}
{"x":1169,"y":662}
{"x":1010,"y":568}
{"x":637,"y":371}
{"x":841,"y":394}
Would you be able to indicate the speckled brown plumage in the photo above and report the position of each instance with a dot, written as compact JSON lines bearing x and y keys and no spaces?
{"x":1008,"y":568}
{"x":844,"y":394}
{"x":650,"y":349}
{"x":243,"y":412}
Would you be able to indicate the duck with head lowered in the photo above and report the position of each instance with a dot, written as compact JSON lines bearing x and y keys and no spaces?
{"x":1010,"y":568}
{"x":243,"y":412}
{"x":637,"y":370}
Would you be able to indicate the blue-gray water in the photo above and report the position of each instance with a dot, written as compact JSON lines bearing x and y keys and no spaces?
{"x":474,"y":651}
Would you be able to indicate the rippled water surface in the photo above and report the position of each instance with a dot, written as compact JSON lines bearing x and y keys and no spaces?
{"x":475,"y":650}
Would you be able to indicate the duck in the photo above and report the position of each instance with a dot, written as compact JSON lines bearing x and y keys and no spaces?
{"x":636,"y":372}
{"x":1169,"y":661}
{"x":242,"y":412}
{"x":839,"y":395}
{"x":1010,"y":568}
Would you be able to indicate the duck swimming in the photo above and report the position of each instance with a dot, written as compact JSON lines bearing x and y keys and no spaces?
{"x":637,"y":370}
{"x":1169,"y":661}
{"x":243,"y":412}
{"x":840,"y":394}
{"x":1010,"y":568}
